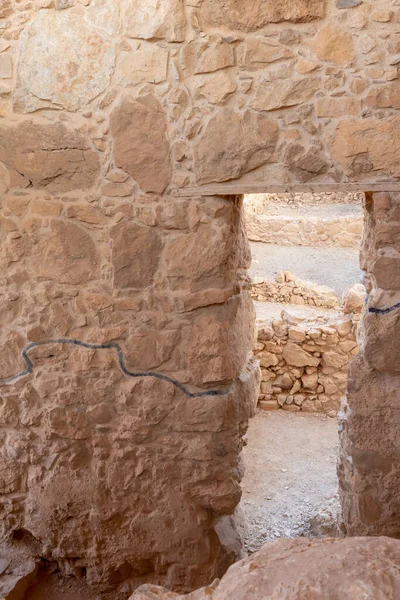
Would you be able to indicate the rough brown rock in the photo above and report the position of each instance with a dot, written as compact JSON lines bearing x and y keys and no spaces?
{"x":231,"y":15}
{"x":66,"y":254}
{"x":360,"y":147}
{"x":61,"y":71}
{"x":141,"y":146}
{"x":52,"y":156}
{"x":136,"y":255}
{"x":300,"y":568}
{"x":206,"y":56}
{"x":232,"y":144}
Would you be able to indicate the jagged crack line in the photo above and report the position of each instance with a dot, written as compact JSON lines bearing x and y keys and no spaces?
{"x":384,"y":311}
{"x":121,"y":363}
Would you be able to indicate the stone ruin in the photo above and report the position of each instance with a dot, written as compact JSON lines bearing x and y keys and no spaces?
{"x":127,"y":327}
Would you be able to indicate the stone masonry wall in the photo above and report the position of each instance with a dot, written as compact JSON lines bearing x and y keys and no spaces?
{"x":369,"y":469}
{"x":304,"y":362}
{"x":126,"y":325}
{"x":286,"y":288}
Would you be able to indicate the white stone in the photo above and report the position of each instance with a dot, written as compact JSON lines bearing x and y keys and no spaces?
{"x":146,"y":63}
{"x":62,"y":71}
{"x":160,"y":19}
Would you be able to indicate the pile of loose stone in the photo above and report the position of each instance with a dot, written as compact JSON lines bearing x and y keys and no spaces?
{"x":286,"y":288}
{"x":304,"y":360}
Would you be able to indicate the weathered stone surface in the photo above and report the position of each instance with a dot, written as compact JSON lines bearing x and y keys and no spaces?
{"x":216,"y":88}
{"x":230,"y":14}
{"x":232,"y":144}
{"x":145,"y":63}
{"x":334,"y":45}
{"x":338,"y":107}
{"x":154,"y":19}
{"x":67,"y":254}
{"x":206,"y":56}
{"x":136,"y":254}
{"x":386,"y":96}
{"x":361,"y":148}
{"x":281,"y":94}
{"x":5,"y":9}
{"x":141,"y":146}
{"x":61,"y":71}
{"x":104,"y":14}
{"x":301,"y":568}
{"x":51,"y":156}
{"x":256,"y":53}
{"x":6,"y":67}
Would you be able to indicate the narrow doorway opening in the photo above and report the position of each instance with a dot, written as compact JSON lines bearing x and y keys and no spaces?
{"x":308,"y":295}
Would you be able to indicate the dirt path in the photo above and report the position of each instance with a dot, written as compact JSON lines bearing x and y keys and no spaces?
{"x":337,"y":268}
{"x":290,"y":485}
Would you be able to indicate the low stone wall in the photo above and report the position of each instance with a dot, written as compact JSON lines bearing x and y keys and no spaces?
{"x":304,"y":362}
{"x":304,"y":231}
{"x":289,"y":289}
{"x":260,"y":201}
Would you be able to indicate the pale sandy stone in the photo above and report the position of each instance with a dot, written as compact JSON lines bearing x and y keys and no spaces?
{"x":206,"y":56}
{"x":216,"y":88}
{"x":306,"y":66}
{"x":334,"y":45}
{"x":338,"y":107}
{"x":385,"y":96}
{"x":255,"y":53}
{"x":6,"y":67}
{"x":231,"y":14}
{"x":149,"y":19}
{"x":281,"y":94}
{"x":104,"y":14}
{"x":146,"y":63}
{"x":61,"y":71}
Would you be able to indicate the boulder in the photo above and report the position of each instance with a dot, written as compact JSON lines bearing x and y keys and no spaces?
{"x":291,"y":569}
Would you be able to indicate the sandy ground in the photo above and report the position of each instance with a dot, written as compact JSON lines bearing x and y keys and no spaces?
{"x":290,"y":485}
{"x":337,"y":268}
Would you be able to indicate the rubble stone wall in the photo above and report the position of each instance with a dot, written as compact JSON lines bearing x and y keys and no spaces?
{"x":106,"y":107}
{"x":304,"y":362}
{"x":305,"y":231}
{"x":286,"y":288}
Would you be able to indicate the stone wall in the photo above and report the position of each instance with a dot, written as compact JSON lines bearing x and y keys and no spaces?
{"x":125,"y":351}
{"x":369,"y":469}
{"x":286,"y":288}
{"x":305,"y":231}
{"x":304,"y":361}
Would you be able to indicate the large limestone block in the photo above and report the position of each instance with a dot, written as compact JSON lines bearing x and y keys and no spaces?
{"x":232,"y":144}
{"x":51,"y":156}
{"x":231,"y":14}
{"x":361,"y":147}
{"x":280,"y":94}
{"x":294,"y":569}
{"x":135,"y":255}
{"x":141,"y":146}
{"x":64,"y":63}
{"x":256,"y":53}
{"x":147,"y":19}
{"x":66,"y":254}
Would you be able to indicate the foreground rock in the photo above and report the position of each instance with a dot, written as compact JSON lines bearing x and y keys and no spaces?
{"x":297,"y":569}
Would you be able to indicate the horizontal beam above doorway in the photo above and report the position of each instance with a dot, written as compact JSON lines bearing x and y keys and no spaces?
{"x":232,"y":189}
